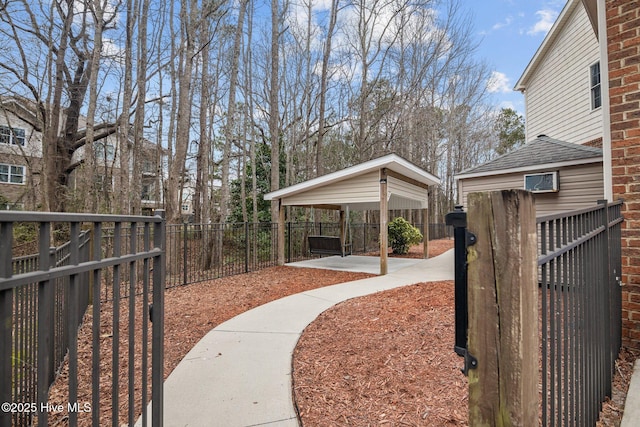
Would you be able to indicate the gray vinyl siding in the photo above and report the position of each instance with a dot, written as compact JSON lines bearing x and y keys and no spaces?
{"x":580,"y":187}
{"x":558,"y":95}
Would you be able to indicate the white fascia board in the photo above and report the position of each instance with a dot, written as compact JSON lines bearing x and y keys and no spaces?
{"x":392,"y":161}
{"x":546,"y":166}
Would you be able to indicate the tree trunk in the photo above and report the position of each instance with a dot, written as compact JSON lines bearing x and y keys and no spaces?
{"x":201,"y":194}
{"x":274,"y":113}
{"x":231,"y":112}
{"x":135,"y":194}
{"x":53,"y":194}
{"x":188,"y":15}
{"x":324,"y":78}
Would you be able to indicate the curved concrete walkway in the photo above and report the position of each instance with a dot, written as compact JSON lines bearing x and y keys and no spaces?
{"x":239,"y":374}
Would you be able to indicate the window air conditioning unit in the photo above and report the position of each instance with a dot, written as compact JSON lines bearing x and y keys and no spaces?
{"x":542,"y":182}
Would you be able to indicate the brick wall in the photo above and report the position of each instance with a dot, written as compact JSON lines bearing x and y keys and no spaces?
{"x":623,"y":32}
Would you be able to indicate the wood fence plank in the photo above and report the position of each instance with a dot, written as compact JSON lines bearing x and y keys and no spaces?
{"x":503,"y":309}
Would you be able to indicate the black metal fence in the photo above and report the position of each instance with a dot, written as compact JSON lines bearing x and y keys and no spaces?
{"x":580,"y":306}
{"x":25,"y":309}
{"x":42,"y":301}
{"x":199,"y":252}
{"x":107,"y":260}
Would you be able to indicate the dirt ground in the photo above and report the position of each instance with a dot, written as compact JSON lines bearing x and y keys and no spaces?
{"x":391,"y":364}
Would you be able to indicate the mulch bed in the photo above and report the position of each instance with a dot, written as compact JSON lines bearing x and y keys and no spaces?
{"x":387,"y":359}
{"x":382,"y":359}
{"x":190,"y":312}
{"x":372,"y":372}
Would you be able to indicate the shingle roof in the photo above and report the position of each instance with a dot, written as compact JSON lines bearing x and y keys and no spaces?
{"x":542,"y":150}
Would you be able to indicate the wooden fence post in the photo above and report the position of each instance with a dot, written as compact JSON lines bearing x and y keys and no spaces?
{"x":503,"y":309}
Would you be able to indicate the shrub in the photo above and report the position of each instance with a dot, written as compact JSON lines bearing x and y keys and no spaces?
{"x":402,"y":235}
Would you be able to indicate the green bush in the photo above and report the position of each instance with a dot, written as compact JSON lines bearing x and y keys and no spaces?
{"x":403,"y":235}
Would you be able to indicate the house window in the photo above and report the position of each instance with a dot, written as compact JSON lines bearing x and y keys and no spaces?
{"x":12,"y":174}
{"x":147,"y":167}
{"x":596,"y":96}
{"x":104,"y":151}
{"x":12,"y":136}
{"x":102,"y":183}
{"x":146,"y":192}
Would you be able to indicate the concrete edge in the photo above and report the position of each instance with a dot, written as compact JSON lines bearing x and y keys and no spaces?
{"x":631,"y":414}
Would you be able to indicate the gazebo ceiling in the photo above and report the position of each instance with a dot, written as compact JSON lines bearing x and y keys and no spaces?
{"x":358,"y":187}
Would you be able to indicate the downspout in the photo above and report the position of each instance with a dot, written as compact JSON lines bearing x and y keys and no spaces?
{"x":606,"y":104}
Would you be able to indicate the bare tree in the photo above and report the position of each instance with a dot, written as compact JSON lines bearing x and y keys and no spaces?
{"x":324,"y":78}
{"x":177,"y":172}
{"x":231,"y":110}
{"x":57,"y":37}
{"x":274,"y":112}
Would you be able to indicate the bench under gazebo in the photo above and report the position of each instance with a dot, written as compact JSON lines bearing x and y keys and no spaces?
{"x":383,"y":184}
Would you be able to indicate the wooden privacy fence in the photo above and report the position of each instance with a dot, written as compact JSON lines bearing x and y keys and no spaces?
{"x":544,"y":310}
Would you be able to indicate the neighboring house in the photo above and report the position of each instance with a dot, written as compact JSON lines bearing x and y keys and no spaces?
{"x":563,"y":176}
{"x":561,"y":84}
{"x":20,"y":156}
{"x":152,"y":164}
{"x":21,"y":162}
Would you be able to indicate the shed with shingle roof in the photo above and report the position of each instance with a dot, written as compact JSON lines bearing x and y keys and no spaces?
{"x":577,"y":168}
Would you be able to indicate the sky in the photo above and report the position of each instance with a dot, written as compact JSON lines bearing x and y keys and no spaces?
{"x":509,"y":32}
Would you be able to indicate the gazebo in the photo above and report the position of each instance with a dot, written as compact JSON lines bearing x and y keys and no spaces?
{"x":384,"y":184}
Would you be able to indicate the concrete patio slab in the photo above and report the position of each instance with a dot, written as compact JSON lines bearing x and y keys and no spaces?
{"x":356,"y":263}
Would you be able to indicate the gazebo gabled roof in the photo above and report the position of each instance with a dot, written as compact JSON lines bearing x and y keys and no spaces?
{"x":358,"y":186}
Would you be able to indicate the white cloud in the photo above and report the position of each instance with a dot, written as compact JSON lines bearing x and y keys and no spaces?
{"x":508,"y":20}
{"x":111,"y":50}
{"x":546,"y":18}
{"x":498,"y":83}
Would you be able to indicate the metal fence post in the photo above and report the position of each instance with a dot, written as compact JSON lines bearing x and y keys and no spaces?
{"x":458,"y":220}
{"x":6,"y":320}
{"x":246,"y":246}
{"x":43,"y":324}
{"x":184,"y":253}
{"x":157,"y":337}
{"x":53,"y":284}
{"x":610,"y":354}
